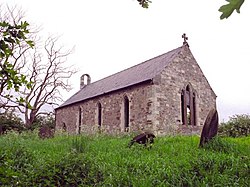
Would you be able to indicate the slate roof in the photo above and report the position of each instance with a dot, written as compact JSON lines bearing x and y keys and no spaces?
{"x":142,"y":72}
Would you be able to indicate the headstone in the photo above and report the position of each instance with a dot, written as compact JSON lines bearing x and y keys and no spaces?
{"x":46,"y":132}
{"x":144,"y":138}
{"x":1,"y":129}
{"x":210,"y":127}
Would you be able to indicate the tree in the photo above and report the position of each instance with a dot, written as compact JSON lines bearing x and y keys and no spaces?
{"x":43,"y":71}
{"x":49,"y":76}
{"x":13,"y":37}
{"x":226,"y":10}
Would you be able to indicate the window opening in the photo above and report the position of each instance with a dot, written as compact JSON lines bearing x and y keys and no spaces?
{"x":188,"y":106}
{"x":80,"y":121}
{"x":126,"y":114}
{"x":99,"y":115}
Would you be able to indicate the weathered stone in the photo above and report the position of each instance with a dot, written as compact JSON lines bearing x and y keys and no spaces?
{"x":210,"y":127}
{"x":1,"y":129}
{"x":45,"y":132}
{"x":144,"y":138}
{"x":153,"y":106}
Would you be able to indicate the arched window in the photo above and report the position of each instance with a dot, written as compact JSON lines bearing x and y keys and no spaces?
{"x":80,"y":120}
{"x":99,"y":116}
{"x":126,"y":114}
{"x":64,"y":127}
{"x":188,"y":106}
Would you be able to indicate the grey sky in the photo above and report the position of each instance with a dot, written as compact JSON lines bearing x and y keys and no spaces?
{"x":112,"y":35}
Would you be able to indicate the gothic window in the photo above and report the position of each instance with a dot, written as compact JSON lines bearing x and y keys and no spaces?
{"x":188,"y":106}
{"x":194,"y":109}
{"x":126,"y":114}
{"x":99,"y":116}
{"x":64,"y":127}
{"x":80,"y":120}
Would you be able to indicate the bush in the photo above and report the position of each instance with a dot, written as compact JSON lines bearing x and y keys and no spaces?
{"x":44,"y":120}
{"x":238,"y":125}
{"x":10,"y":121}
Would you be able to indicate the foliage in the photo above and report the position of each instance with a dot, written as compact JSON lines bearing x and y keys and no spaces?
{"x":238,"y":125}
{"x":10,"y":37}
{"x":144,"y":3}
{"x":44,"y":120}
{"x":220,"y":145}
{"x":228,"y":9}
{"x":43,"y":70}
{"x":107,"y":161}
{"x":10,"y":121}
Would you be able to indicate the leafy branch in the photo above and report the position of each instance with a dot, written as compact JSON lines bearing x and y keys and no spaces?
{"x":228,"y":9}
{"x":12,"y":36}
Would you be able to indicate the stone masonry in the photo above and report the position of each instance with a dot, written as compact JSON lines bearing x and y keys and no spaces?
{"x":154,"y":105}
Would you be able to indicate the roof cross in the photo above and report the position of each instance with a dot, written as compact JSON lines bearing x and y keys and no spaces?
{"x":185,"y":39}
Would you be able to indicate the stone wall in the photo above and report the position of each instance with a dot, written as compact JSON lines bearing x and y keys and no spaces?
{"x":112,"y":112}
{"x":153,"y":106}
{"x":177,"y":75}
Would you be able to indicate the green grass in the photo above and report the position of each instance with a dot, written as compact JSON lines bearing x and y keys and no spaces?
{"x":101,"y":160}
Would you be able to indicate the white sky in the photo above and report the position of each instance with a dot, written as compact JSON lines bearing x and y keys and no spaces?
{"x":111,"y":35}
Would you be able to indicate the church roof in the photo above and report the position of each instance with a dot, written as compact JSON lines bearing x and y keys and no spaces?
{"x":142,"y":72}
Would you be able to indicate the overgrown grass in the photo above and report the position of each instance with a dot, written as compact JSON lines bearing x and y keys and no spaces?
{"x":101,"y":160}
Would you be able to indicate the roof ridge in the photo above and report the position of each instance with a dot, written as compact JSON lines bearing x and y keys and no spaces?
{"x":133,"y":66}
{"x":135,"y":74}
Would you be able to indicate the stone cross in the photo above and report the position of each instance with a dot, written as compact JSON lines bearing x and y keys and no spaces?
{"x":185,"y":39}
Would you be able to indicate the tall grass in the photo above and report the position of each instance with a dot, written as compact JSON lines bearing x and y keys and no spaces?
{"x":103,"y":160}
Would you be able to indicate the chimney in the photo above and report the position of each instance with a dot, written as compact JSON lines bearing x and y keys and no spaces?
{"x":82,"y":80}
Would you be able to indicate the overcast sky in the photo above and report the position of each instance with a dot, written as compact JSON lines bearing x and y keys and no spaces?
{"x":111,"y":35}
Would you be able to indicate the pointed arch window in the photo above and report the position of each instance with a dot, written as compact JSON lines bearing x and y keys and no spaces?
{"x":99,"y":115}
{"x":80,"y":120}
{"x":188,"y":106}
{"x":126,"y":114}
{"x":64,"y":127}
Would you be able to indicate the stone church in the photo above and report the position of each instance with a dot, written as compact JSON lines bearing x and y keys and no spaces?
{"x":167,"y":94}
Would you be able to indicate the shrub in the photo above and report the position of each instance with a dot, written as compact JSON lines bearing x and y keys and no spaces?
{"x":44,"y":120}
{"x":10,"y":121}
{"x":238,"y":125}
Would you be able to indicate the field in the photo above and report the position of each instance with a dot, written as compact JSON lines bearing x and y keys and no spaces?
{"x":26,"y":160}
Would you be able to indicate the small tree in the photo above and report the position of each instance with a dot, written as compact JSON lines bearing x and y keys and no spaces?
{"x":238,"y":125}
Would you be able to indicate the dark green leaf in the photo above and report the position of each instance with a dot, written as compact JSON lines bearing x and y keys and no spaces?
{"x":30,"y":43}
{"x":228,"y":9}
{"x":4,"y":24}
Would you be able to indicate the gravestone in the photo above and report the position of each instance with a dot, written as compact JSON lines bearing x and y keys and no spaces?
{"x":143,"y":138}
{"x":1,"y":129}
{"x":210,"y":127}
{"x":45,"y":132}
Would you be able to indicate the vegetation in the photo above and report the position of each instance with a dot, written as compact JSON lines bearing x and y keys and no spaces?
{"x":12,"y":36}
{"x":237,"y":126}
{"x":100,"y":160}
{"x":226,"y":10}
{"x":10,"y":121}
{"x":31,"y":77}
